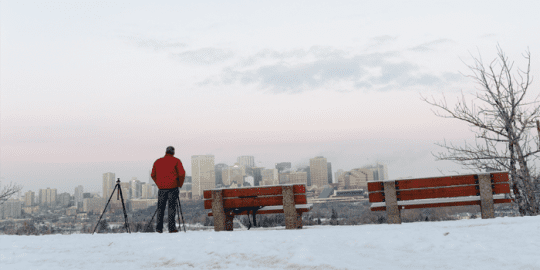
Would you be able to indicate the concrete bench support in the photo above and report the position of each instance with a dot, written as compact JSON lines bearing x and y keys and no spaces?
{"x":392,"y":209}
{"x":218,"y":211}
{"x":486,"y":196}
{"x":289,"y":209}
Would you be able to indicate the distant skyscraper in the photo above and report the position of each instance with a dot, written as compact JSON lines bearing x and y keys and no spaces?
{"x":126,"y":190}
{"x":147,"y":192}
{"x":108,"y":184}
{"x":283,"y":167}
{"x":246,"y":161}
{"x":338,"y":174}
{"x":306,"y":170}
{"x":203,"y":174}
{"x":136,"y":188}
{"x":380,"y":171}
{"x":29,"y":198}
{"x":257,"y":175}
{"x":219,"y":171}
{"x":329,"y":170}
{"x":47,"y":197}
{"x":79,"y":195}
{"x":319,"y":171}
{"x":64,"y":199}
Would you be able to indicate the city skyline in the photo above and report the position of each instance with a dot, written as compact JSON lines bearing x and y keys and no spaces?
{"x":107,"y":86}
{"x":98,"y":188}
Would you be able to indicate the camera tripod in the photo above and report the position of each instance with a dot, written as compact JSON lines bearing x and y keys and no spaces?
{"x":118,"y":196}
{"x":178,"y":211}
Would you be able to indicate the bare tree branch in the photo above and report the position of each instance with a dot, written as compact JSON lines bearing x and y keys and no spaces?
{"x":8,"y":191}
{"x":503,"y":120}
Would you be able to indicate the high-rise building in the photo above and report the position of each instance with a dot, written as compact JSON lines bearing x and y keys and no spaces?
{"x":246,"y":161}
{"x":219,"y":171}
{"x":64,"y":199}
{"x":257,"y":175}
{"x":108,"y":184}
{"x":79,"y":190}
{"x":126,"y":190}
{"x":319,"y":171}
{"x":270,"y":177}
{"x":283,"y":167}
{"x":147,"y":192}
{"x":203,"y":174}
{"x":29,"y":198}
{"x":306,"y":170}
{"x":380,"y":171}
{"x":329,"y":170}
{"x":338,"y":174}
{"x":136,"y":188}
{"x":47,"y":197}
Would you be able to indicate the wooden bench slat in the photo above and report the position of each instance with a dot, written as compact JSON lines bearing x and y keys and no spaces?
{"x":426,"y":203}
{"x":376,"y":186}
{"x":257,"y":201}
{"x":255,"y":191}
{"x":383,"y":208}
{"x":276,"y":209}
{"x":443,"y":192}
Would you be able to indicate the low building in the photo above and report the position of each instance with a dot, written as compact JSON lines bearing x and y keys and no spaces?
{"x":31,"y":209}
{"x":71,"y":211}
{"x":141,"y":204}
{"x":93,"y":205}
{"x":349,"y":193}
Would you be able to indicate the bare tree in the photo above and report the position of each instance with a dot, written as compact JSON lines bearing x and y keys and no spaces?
{"x":503,"y":121}
{"x":8,"y":191}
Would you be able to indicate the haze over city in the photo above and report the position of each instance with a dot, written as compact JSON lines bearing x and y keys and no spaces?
{"x":89,"y":87}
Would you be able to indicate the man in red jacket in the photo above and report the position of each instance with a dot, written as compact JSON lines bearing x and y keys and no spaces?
{"x":168,"y":174}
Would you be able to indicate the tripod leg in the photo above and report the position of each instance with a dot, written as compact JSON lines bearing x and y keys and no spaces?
{"x":124,"y":208}
{"x":104,"y":209}
{"x":182,"y":215}
{"x":148,"y":225}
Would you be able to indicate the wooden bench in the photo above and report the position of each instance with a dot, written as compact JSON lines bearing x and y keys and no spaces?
{"x":484,"y":189}
{"x":225,"y":203}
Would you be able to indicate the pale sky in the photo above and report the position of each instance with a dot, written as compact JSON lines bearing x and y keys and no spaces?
{"x":89,"y":87}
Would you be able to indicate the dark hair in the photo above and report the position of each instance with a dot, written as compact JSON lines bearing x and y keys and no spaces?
{"x":170,"y":150}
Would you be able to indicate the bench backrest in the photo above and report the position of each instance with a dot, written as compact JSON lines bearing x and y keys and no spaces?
{"x":255,"y":196}
{"x":439,"y":187}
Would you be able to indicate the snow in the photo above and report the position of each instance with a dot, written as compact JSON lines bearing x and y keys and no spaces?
{"x":501,"y":243}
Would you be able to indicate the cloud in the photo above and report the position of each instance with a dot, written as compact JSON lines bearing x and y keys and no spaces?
{"x":204,"y":56}
{"x":431,"y":46}
{"x":297,"y":70}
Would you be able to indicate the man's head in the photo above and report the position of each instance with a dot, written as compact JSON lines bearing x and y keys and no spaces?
{"x":170,"y":150}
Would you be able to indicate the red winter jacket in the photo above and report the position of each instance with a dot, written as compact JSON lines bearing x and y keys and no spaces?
{"x":168,"y":172}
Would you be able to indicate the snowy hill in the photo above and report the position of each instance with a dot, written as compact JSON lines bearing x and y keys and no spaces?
{"x":501,"y":243}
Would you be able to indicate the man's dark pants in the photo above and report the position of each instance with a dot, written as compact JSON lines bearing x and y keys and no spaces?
{"x":169,"y":196}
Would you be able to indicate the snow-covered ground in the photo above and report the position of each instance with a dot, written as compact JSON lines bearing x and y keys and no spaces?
{"x":501,"y":243}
